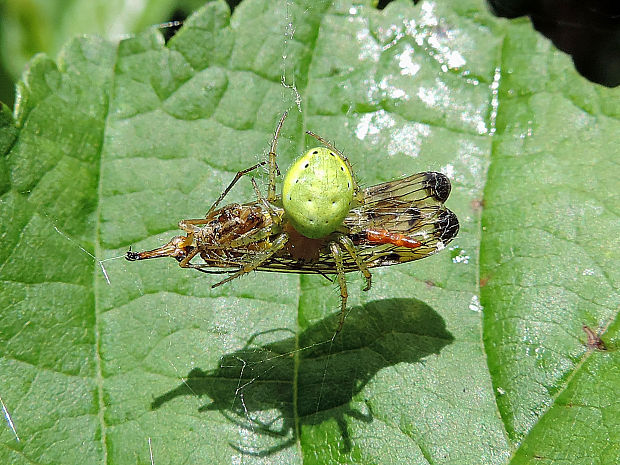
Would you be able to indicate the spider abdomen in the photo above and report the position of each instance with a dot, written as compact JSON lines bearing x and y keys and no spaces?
{"x":317,"y":192}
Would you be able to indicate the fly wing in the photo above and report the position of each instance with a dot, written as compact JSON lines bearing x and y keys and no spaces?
{"x":412,"y":206}
{"x":433,"y":231}
{"x":399,"y":205}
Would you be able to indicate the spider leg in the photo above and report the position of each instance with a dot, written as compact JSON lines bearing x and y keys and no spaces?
{"x":342,"y":282}
{"x":276,"y":246}
{"x":273,"y":170}
{"x":347,"y":243}
{"x":274,"y":217}
{"x":273,"y":167}
{"x":230,"y":186}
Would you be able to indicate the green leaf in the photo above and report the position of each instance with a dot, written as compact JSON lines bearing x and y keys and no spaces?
{"x":475,"y":355}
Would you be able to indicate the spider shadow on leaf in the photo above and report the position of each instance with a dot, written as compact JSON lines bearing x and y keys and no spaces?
{"x":253,"y":387}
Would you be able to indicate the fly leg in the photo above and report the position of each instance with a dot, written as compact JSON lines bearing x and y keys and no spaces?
{"x":342,"y":282}
{"x":185,"y":263}
{"x":277,"y":245}
{"x":189,"y":226}
{"x":347,"y":243}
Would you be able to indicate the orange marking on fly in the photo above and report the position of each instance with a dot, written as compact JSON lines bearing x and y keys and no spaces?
{"x":383,"y":236}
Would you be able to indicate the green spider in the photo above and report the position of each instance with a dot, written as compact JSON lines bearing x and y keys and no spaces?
{"x":322,"y":224}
